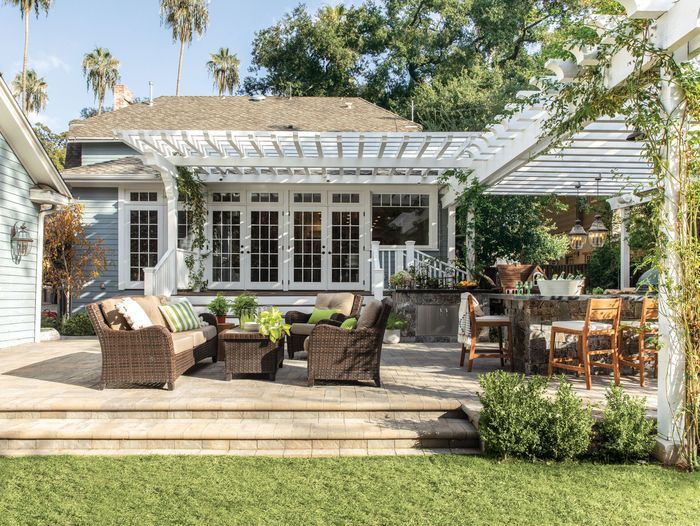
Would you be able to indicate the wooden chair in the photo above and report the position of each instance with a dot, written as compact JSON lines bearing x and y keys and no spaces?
{"x":602,"y":319}
{"x":476,"y":323}
{"x":648,"y":324}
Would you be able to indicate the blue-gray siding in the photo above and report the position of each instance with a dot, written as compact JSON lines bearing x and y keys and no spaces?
{"x":100,"y":152}
{"x":17,"y":280}
{"x":100,"y":219}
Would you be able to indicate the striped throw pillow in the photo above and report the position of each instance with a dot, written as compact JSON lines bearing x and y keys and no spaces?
{"x":180,"y":316}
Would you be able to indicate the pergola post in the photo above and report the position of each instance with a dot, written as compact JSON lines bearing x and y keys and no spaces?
{"x":469,"y":249}
{"x":451,"y":232}
{"x":671,"y":387}
{"x":624,"y":250}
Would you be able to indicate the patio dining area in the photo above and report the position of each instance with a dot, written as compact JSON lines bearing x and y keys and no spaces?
{"x":50,"y":403}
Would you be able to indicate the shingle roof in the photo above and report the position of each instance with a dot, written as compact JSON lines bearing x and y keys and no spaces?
{"x":243,"y":114}
{"x":123,"y":166}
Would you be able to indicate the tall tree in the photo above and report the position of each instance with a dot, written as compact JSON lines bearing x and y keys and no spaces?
{"x":223,"y":67}
{"x":101,"y":72}
{"x":34,"y":88}
{"x":26,"y":7}
{"x":53,"y":143}
{"x":184,"y":18}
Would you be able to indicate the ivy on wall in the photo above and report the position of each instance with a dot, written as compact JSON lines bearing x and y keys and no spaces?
{"x":194,"y":195}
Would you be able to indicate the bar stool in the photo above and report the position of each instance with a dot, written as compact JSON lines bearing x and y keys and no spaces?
{"x":602,"y":319}
{"x":477,"y":321}
{"x":648,"y":324}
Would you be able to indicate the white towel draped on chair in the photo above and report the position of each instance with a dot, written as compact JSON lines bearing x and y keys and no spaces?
{"x":464,"y":333}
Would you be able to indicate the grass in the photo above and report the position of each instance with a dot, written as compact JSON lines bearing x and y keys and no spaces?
{"x":372,"y":490}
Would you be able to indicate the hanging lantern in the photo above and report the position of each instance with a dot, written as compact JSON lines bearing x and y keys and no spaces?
{"x":21,"y":242}
{"x":597,"y":233}
{"x":577,"y":236}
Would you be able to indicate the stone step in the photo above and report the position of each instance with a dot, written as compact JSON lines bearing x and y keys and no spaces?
{"x":282,"y":415}
{"x":127,"y":435}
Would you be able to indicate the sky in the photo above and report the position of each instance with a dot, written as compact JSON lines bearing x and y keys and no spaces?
{"x":131,"y":30}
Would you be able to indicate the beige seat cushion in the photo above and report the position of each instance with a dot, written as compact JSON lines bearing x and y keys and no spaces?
{"x":148,"y":303}
{"x":306,"y":344}
{"x":302,"y":328}
{"x":577,"y":325}
{"x":493,"y":319}
{"x":369,"y":315}
{"x":201,"y":335}
{"x":183,"y":341}
{"x":340,"y":301}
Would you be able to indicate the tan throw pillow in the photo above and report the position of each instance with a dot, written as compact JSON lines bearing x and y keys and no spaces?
{"x":134,"y":314}
{"x":369,"y":315}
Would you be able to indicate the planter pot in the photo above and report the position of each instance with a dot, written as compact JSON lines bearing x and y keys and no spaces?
{"x":392,"y":336}
{"x":560,"y":287}
{"x":221,"y":319}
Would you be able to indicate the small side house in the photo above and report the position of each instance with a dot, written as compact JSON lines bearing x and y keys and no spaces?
{"x":30,"y":188}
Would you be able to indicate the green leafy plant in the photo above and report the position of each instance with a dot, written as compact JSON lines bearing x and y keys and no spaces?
{"x":76,"y":325}
{"x":598,"y":290}
{"x":401,"y":280}
{"x":568,"y":425}
{"x":604,"y":265}
{"x":244,"y":306}
{"x":396,"y":322}
{"x":191,"y":188}
{"x":271,"y":324}
{"x":219,"y":306}
{"x":625,"y":434}
{"x":519,"y":420}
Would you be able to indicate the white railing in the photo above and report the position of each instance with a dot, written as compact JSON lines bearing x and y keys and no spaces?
{"x":161,"y":280}
{"x":377,"y":272}
{"x":394,"y":259}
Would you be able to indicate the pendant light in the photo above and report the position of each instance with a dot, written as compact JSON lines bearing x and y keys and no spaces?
{"x":577,"y":235}
{"x":597,"y":232}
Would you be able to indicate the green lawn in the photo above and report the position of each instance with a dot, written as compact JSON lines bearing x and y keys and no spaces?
{"x":437,"y":490}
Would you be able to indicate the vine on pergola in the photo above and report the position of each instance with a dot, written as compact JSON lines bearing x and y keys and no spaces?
{"x":667,"y":133}
{"x":192,"y":190}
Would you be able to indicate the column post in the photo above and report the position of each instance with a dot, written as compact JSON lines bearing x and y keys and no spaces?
{"x":671,"y":370}
{"x":377,"y":273}
{"x":470,"y":252}
{"x":451,"y":232}
{"x":624,"y":249}
{"x":410,"y":253}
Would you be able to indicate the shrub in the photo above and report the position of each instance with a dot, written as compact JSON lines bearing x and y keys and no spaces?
{"x":567,"y":432}
{"x":76,"y":325}
{"x":401,"y":280}
{"x":396,"y":322}
{"x":624,"y":432}
{"x":518,"y":420}
{"x":513,"y":414}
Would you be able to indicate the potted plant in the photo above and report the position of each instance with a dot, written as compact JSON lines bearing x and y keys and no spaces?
{"x":219,"y":307}
{"x":245,"y":307}
{"x":394,"y":326}
{"x":271,"y":324}
{"x":401,"y":280}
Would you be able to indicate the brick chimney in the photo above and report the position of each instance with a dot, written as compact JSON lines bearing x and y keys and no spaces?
{"x":122,"y":97}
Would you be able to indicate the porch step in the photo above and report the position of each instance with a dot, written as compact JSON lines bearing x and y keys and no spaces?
{"x":305,"y":434}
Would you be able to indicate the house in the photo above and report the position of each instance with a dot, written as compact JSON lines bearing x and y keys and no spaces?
{"x":304,"y":193}
{"x":30,"y":188}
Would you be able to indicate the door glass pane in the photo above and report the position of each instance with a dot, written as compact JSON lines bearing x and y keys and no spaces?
{"x":226,"y":246}
{"x":143,"y":242}
{"x":307,"y":247}
{"x":264,"y":243}
{"x":345,"y":247}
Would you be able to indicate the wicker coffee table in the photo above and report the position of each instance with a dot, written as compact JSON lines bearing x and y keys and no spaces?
{"x":248,"y":352}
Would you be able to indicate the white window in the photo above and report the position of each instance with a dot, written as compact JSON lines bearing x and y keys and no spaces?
{"x":264,"y":197}
{"x":226,"y":197}
{"x":397,"y":218}
{"x":345,"y":198}
{"x":307,"y":197}
{"x":143,"y":197}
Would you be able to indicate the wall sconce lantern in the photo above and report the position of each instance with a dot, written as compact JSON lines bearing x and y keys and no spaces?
{"x":20,"y":242}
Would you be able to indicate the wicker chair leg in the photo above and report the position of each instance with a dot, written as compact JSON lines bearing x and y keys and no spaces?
{"x":310,"y":381}
{"x":103,"y":386}
{"x":170,"y":386}
{"x":378,"y":381}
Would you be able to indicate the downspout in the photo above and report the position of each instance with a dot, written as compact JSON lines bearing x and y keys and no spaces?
{"x":44,"y":210}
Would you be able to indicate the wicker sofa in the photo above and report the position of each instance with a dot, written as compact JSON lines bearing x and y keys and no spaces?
{"x":340,"y":354}
{"x":347,"y":303}
{"x":153,"y":355}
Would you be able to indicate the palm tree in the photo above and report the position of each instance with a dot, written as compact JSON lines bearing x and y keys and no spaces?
{"x":34,"y":88}
{"x":184,"y":18}
{"x":101,"y":72}
{"x":223,"y":67}
{"x":26,"y":7}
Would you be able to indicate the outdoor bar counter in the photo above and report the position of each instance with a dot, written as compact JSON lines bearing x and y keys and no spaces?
{"x":532,"y":317}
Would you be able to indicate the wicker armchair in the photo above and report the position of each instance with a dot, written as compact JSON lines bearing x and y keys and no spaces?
{"x":340,"y":354}
{"x":295,"y":341}
{"x":145,"y":356}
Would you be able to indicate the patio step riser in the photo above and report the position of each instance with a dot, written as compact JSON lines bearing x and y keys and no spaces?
{"x":10,"y":447}
{"x":377,"y":416}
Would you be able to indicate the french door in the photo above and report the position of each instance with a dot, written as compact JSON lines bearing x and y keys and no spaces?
{"x":264,"y":249}
{"x":226,"y":262}
{"x":345,"y":249}
{"x":144,"y":228}
{"x":308,"y":248}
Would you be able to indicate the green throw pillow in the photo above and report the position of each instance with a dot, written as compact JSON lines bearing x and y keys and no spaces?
{"x":322,"y":314}
{"x":349,"y":324}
